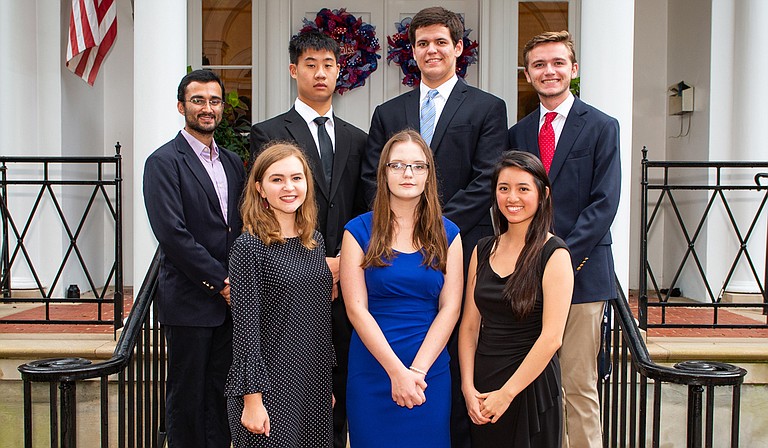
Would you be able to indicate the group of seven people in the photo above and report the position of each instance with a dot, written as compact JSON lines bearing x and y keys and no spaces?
{"x":323,"y":319}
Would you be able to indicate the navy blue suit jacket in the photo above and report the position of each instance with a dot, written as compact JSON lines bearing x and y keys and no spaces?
{"x":468,"y":141}
{"x":344,"y":201}
{"x":586,"y":182}
{"x":185,"y":216}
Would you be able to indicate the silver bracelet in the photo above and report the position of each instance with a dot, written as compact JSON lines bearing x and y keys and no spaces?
{"x":417,"y":370}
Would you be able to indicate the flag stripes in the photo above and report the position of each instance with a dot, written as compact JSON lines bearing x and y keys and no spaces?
{"x":92,"y":31}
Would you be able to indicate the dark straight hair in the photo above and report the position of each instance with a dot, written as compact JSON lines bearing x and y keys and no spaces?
{"x":524,"y":285}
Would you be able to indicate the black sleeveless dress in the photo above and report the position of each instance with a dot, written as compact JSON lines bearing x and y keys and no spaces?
{"x":534,"y":418}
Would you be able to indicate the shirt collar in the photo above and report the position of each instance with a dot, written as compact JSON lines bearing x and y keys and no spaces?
{"x":309,"y":114}
{"x":444,"y":89}
{"x":562,"y":110}
{"x":199,"y":147}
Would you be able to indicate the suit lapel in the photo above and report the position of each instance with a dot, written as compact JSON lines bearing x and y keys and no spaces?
{"x":196,"y":166}
{"x":574,"y":124}
{"x":531,"y":131}
{"x":341,"y":153}
{"x":457,"y":96}
{"x":299,"y":130}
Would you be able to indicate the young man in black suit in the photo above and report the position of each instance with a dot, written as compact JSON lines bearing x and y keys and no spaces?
{"x":466,"y":129}
{"x":579,"y":146}
{"x":333,"y":148}
{"x":191,"y":191}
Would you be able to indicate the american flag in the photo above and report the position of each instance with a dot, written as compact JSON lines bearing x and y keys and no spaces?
{"x":92,"y":31}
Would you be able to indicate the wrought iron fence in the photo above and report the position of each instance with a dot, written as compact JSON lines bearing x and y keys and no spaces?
{"x":46,"y":182}
{"x":673,"y":180}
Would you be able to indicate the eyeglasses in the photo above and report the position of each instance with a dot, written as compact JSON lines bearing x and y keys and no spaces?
{"x":416,"y":168}
{"x":201,"y":102}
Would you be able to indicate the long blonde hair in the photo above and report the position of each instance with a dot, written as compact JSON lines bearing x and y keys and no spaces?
{"x":258,"y":218}
{"x":428,"y":231}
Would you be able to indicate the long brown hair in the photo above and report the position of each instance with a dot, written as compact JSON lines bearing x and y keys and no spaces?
{"x":524,"y":285}
{"x":428,"y":231}
{"x":258,"y":218}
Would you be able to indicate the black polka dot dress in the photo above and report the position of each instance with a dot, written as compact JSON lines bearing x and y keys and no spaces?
{"x":281,"y":310}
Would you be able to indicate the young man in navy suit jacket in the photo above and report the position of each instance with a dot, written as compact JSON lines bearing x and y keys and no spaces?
{"x":586,"y":180}
{"x":468,"y":137}
{"x":192,"y":192}
{"x":314,"y":66}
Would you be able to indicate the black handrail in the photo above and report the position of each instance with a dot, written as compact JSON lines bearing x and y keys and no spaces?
{"x":141,"y":418}
{"x":624,"y":393}
{"x":67,"y":371}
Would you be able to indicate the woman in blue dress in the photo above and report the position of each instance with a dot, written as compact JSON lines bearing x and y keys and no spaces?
{"x":401,"y":275}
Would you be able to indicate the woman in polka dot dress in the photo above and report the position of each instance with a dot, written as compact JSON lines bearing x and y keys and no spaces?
{"x":279,"y":385}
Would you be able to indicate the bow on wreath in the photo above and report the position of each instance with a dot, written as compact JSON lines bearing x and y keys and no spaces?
{"x":357,"y":41}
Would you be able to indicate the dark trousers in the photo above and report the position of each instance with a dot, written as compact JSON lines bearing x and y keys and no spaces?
{"x":342,"y":333}
{"x":198,"y":362}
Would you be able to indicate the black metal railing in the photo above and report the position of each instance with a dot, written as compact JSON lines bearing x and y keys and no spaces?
{"x":37,"y":179}
{"x":139,"y":360}
{"x":673,"y":181}
{"x":625,"y":390}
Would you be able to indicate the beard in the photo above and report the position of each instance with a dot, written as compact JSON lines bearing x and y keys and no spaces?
{"x":193,"y":122}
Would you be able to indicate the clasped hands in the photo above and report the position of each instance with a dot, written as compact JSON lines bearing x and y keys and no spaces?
{"x":486,"y":407}
{"x":408,"y":388}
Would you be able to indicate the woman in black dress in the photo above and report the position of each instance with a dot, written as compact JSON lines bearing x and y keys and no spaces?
{"x":279,"y":385}
{"x":518,"y":294}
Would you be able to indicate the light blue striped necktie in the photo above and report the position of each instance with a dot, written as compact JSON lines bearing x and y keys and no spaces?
{"x":427,"y":121}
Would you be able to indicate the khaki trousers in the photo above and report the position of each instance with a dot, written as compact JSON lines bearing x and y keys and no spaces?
{"x":578,"y":361}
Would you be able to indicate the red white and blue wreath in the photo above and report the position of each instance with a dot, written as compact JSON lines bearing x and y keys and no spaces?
{"x":358,"y":42}
{"x":400,"y":52}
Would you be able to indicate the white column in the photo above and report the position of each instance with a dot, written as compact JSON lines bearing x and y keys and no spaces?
{"x":737,"y":132}
{"x":606,"y":70}
{"x":160,"y":61}
{"x":31,"y":93}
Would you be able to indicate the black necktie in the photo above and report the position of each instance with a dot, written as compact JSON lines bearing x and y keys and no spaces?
{"x":326,"y":148}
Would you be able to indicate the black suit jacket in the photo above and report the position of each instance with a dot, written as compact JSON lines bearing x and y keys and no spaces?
{"x":344,"y":201}
{"x":468,"y":140}
{"x":586,"y":183}
{"x":185,"y":216}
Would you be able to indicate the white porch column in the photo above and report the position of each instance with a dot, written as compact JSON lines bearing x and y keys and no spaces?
{"x":160,"y":61}
{"x":737,"y":132}
{"x":606,"y":70}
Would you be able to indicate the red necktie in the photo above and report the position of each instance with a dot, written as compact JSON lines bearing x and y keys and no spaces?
{"x":547,"y":140}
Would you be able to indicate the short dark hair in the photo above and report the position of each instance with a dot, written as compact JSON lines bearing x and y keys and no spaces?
{"x":312,"y":40}
{"x":201,"y":76}
{"x":437,"y":15}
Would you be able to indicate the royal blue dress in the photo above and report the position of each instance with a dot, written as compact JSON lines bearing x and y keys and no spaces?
{"x":403,"y":298}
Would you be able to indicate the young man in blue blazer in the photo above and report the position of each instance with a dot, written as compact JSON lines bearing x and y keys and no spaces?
{"x":579,"y":146}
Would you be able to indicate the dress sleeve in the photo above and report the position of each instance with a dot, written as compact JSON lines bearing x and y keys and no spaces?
{"x":360,"y":228}
{"x":248,"y":373}
{"x":451,"y":230}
